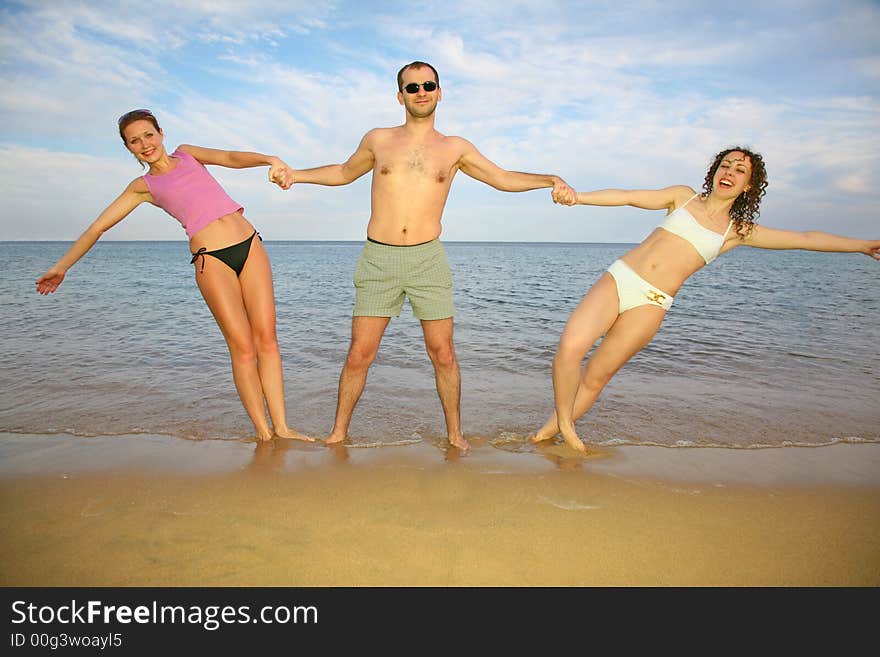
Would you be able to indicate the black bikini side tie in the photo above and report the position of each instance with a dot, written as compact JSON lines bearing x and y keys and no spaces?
{"x":199,"y":254}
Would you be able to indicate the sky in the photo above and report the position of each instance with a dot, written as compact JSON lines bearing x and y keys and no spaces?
{"x":637,"y":95}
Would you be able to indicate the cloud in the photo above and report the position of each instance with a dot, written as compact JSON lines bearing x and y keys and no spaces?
{"x":853,"y":184}
{"x":51,"y":195}
{"x":635,"y":96}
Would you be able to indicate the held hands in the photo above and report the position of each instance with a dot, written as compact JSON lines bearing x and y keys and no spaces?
{"x":281,"y":175}
{"x":49,"y":282}
{"x":872,"y":248}
{"x":562,"y":193}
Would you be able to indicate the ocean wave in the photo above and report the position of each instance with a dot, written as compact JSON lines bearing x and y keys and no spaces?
{"x":510,"y":441}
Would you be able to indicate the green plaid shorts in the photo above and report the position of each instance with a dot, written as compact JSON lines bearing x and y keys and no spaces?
{"x":386,"y":275}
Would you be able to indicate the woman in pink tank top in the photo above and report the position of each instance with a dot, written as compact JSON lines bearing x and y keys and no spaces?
{"x":235,"y":277}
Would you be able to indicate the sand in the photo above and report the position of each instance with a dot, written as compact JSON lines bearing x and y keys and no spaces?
{"x":159,"y":511}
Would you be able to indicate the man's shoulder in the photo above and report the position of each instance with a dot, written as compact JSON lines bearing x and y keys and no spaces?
{"x":379,"y":133}
{"x":459,"y":145}
{"x":454,"y":140}
{"x":376,"y":137}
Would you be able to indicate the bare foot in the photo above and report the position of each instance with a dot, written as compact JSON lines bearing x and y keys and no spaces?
{"x":292,"y":434}
{"x":572,"y":440}
{"x":460,"y":442}
{"x":334,"y":438}
{"x":548,"y":431}
{"x":540,"y":437}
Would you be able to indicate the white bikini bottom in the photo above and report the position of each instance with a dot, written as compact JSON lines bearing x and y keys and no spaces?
{"x":633,"y":290}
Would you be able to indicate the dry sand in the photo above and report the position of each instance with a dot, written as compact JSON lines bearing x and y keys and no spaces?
{"x":158,"y":511}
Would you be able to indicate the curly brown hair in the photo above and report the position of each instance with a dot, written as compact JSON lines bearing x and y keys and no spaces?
{"x":746,"y":207}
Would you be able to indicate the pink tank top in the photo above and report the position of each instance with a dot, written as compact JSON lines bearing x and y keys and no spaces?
{"x":190,"y":194}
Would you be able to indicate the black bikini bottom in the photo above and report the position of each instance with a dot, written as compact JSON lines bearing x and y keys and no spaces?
{"x":233,"y":256}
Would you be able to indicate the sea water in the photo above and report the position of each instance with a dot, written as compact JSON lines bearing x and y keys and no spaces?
{"x":760,"y":349}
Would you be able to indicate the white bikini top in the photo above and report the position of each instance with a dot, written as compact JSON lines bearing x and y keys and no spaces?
{"x":707,"y":242}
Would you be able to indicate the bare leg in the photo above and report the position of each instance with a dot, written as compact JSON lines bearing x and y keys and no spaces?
{"x":366,"y":335}
{"x":441,"y":350}
{"x":259,"y":301}
{"x":628,"y":333}
{"x":592,"y":318}
{"x":221,"y":290}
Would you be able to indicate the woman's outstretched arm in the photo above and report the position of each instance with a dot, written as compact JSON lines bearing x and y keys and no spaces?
{"x":647,"y":199}
{"x":279,"y":172}
{"x":135,"y":194}
{"x":809,"y":240}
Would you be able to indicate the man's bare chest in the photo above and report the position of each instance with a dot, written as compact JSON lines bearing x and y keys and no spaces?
{"x":416,"y":162}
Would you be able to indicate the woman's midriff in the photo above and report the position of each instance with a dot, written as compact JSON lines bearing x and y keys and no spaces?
{"x":664,"y":260}
{"x":227,"y":230}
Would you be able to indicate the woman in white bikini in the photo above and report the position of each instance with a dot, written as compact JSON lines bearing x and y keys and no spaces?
{"x":629,"y":301}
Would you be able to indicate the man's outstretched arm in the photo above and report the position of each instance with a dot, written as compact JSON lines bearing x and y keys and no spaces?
{"x":479,"y":167}
{"x":358,"y":164}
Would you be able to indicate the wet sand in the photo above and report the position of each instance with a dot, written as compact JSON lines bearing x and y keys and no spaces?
{"x":159,"y":511}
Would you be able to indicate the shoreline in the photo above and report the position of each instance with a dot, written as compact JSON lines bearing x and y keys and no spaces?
{"x":160,"y":511}
{"x":844,"y":463}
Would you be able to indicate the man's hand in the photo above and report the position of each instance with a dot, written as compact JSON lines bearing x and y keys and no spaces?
{"x":562,"y":193}
{"x":281,"y":175}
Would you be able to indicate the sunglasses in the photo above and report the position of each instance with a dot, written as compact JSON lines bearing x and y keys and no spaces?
{"x":413,"y":87}
{"x":134,"y":114}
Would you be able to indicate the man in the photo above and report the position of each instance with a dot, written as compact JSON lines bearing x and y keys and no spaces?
{"x":413,"y":166}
